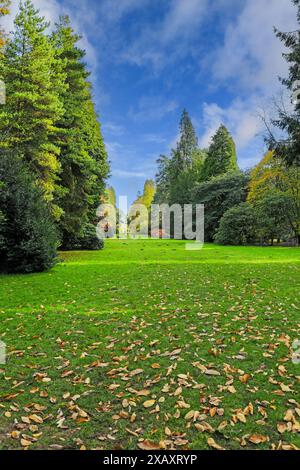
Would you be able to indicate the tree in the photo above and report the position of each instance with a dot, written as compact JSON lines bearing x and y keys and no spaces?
{"x":288,"y":148}
{"x":273,"y":211}
{"x":110,"y":196}
{"x":218,"y":195}
{"x":162,"y":180}
{"x":221,"y":156}
{"x":272,"y":177}
{"x":28,"y":240}
{"x":148,"y":195}
{"x":83,"y":157}
{"x":27,"y":121}
{"x":188,"y":143}
{"x":237,"y":226}
{"x":178,"y":173}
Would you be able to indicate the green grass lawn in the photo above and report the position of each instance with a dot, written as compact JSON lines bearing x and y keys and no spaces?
{"x":146,"y":341}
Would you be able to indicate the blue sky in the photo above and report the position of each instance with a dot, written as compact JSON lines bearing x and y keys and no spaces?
{"x":149,"y":59}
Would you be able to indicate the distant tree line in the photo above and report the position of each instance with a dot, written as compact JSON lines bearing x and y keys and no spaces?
{"x":241,"y":207}
{"x":261,"y":205}
{"x":53,"y":161}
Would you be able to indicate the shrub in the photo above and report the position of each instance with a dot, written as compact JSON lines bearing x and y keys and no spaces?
{"x":218,"y":195}
{"x":87,"y":241}
{"x":28,"y":240}
{"x":237,"y":226}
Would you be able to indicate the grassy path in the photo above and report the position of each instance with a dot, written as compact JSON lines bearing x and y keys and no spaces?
{"x":147,"y":345}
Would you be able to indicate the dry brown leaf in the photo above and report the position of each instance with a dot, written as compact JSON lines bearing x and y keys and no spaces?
{"x":212,"y":443}
{"x":148,"y":445}
{"x":148,"y":403}
{"x":258,"y":439}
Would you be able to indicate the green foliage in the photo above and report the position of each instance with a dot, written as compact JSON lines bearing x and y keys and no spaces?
{"x":221,"y":156}
{"x":88,"y":240}
{"x":28,"y":120}
{"x":218,"y":195}
{"x":148,"y":195}
{"x":28,"y":240}
{"x":162,"y":180}
{"x":271,"y":177}
{"x":178,"y":173}
{"x":83,"y":157}
{"x":237,"y":226}
{"x":110,"y":196}
{"x":187,"y":145}
{"x":273,"y":212}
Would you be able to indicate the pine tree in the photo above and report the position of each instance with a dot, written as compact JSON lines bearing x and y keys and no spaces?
{"x":182,"y":161}
{"x":83,"y":156}
{"x":288,"y":149}
{"x":221,"y":157}
{"x":188,"y":143}
{"x":27,"y":121}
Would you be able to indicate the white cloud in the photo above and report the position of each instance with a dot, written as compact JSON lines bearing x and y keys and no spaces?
{"x":129,"y":174}
{"x":243,"y":120}
{"x":248,"y":62}
{"x":113,"y":129}
{"x":251,"y":55}
{"x":181,"y":22}
{"x":152,"y":108}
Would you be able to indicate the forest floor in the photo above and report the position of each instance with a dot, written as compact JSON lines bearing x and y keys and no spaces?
{"x":145,"y":345}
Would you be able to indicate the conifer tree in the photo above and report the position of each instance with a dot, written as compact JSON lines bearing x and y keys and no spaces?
{"x":188,"y":143}
{"x":28,"y":239}
{"x":221,"y":157}
{"x":32,"y":77}
{"x":83,"y":157}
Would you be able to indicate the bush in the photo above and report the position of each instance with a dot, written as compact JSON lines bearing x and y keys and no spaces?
{"x":237,"y":226}
{"x":28,"y":240}
{"x":218,"y":195}
{"x":87,"y":241}
{"x":274,"y":214}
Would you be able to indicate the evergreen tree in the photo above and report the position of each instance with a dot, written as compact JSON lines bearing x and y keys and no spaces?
{"x":28,"y":240}
{"x":162,"y":180}
{"x":221,"y":157}
{"x":83,"y":157}
{"x":182,"y":160}
{"x":32,"y":77}
{"x":288,"y":149}
{"x":187,"y":145}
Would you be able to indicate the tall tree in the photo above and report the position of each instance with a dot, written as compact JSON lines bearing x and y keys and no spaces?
{"x":83,"y":157}
{"x":288,"y":148}
{"x":188,"y":143}
{"x":221,"y":156}
{"x":32,"y":77}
